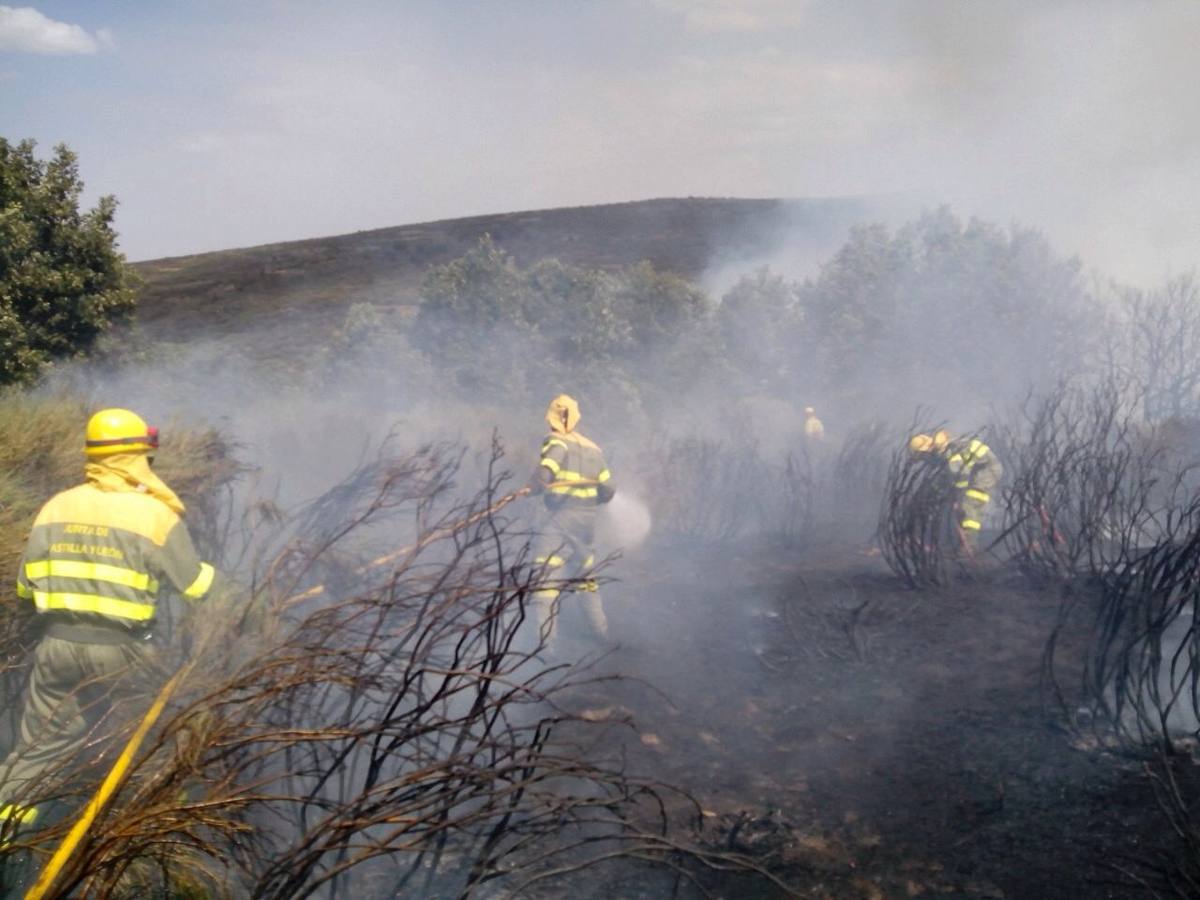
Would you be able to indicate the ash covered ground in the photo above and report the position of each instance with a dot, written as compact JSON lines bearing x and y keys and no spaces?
{"x":858,"y":738}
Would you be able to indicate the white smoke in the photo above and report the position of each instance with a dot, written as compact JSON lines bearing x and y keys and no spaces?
{"x":625,"y":522}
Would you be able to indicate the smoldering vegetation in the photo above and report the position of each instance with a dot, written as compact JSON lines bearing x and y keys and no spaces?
{"x":388,"y":719}
{"x":368,"y":706}
{"x":1098,"y":514}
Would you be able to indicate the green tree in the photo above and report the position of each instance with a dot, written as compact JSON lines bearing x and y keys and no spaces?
{"x":851,"y":307}
{"x":473,"y":321}
{"x":944,"y":311}
{"x":463,"y":300}
{"x":659,"y":307}
{"x":62,"y":281}
{"x":997,"y":309}
{"x":760,"y":324}
{"x":372,"y":343}
{"x":494,"y":329}
{"x":572,"y":310}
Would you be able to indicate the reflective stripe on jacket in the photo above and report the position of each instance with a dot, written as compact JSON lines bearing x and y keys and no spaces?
{"x":577,"y":470}
{"x":964,"y":457}
{"x":102,"y":554}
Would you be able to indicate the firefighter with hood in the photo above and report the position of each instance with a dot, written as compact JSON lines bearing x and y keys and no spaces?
{"x":976,"y":472}
{"x":95,"y":559}
{"x":573,"y":480}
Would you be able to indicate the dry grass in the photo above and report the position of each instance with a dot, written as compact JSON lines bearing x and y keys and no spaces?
{"x":41,"y":453}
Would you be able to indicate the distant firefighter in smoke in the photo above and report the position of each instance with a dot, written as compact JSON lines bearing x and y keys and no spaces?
{"x":814,"y":428}
{"x":574,"y":480}
{"x":976,"y":472}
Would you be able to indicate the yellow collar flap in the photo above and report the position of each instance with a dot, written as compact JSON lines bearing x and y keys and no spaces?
{"x":131,"y":472}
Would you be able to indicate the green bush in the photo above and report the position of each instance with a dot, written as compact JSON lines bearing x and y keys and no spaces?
{"x":761,"y":328}
{"x":496,"y":330}
{"x":958,"y":311}
{"x":62,"y":281}
{"x":940,"y":311}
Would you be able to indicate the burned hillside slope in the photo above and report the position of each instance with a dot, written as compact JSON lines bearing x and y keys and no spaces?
{"x":233,"y":292}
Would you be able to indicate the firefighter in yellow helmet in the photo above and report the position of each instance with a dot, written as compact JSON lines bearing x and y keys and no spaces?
{"x":976,"y":472}
{"x":574,"y":481}
{"x":814,"y":428}
{"x":92,"y":568}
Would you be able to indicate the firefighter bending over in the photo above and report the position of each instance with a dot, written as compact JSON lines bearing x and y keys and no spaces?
{"x":574,"y":480}
{"x":92,"y":568}
{"x":976,"y":473}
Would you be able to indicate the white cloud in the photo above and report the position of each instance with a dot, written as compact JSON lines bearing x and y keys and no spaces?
{"x":735,"y":15}
{"x":1075,"y":117}
{"x":24,"y":29}
{"x":202,"y":143}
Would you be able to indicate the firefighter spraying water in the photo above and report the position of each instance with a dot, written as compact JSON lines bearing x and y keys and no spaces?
{"x":573,"y":480}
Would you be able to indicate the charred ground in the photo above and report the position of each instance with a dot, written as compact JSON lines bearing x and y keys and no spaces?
{"x":867,"y":740}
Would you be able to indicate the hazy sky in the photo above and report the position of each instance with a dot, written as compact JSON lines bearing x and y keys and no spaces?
{"x":220,"y":124}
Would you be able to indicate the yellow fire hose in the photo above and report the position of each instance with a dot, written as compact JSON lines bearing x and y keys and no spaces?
{"x":112,"y":780}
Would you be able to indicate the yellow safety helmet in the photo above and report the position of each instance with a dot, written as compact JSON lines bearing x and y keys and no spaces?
{"x":563,"y":414}
{"x":119,"y":431}
{"x":923,"y":443}
{"x":920,"y":443}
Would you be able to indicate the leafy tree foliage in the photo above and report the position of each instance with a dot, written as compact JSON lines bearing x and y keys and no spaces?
{"x":572,"y":312}
{"x":473,"y":319}
{"x":975,"y":310}
{"x":939,"y":312}
{"x":761,"y":325}
{"x":659,"y":307}
{"x":851,"y":307}
{"x":496,"y":328}
{"x":62,"y":281}
{"x":674,"y":349}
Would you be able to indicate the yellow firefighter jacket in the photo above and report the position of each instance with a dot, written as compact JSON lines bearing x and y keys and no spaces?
{"x":98,"y":552}
{"x":969,"y":459}
{"x":572,"y":467}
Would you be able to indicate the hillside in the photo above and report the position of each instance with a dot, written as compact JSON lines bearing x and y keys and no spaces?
{"x":234,"y":293}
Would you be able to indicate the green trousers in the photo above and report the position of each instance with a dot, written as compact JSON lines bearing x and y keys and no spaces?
{"x":76,"y":693}
{"x":565,"y":547}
